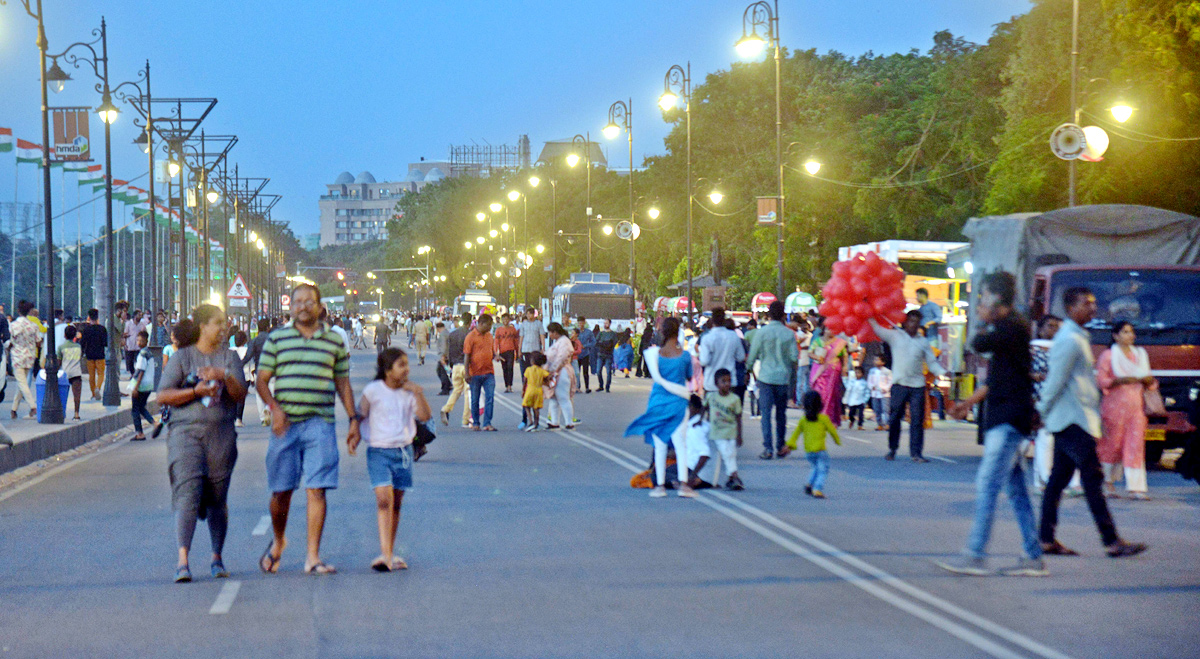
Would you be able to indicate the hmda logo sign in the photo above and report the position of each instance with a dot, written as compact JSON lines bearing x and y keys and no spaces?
{"x":71,"y":134}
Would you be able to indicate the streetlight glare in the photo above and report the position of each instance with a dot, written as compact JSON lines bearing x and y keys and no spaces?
{"x":812,"y":167}
{"x":540,"y":248}
{"x":534,"y":181}
{"x":572,"y":159}
{"x":1121,"y":112}
{"x":715,"y":196}
{"x":653,"y":213}
{"x":481,"y":240}
{"x":503,"y":260}
{"x":513,"y":195}
{"x":668,"y":100}
{"x":213,"y":196}
{"x":467,"y":244}
{"x":608,"y":229}
{"x":496,"y":206}
{"x":493,"y":233}
{"x":253,"y":236}
{"x":750,"y":46}
{"x":612,"y":131}
{"x":260,"y":244}
{"x":504,"y":227}
{"x":479,"y":217}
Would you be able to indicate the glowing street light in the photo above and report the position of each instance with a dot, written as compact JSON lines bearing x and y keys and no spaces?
{"x":653,"y":213}
{"x":534,"y":181}
{"x":607,"y":229}
{"x":715,"y":196}
{"x":513,"y":195}
{"x":479,"y":217}
{"x":481,"y":240}
{"x":572,"y":159}
{"x":812,"y":167}
{"x":1121,"y":112}
{"x":493,"y":233}
{"x":213,"y":196}
{"x":540,"y":248}
{"x":668,"y":100}
{"x":496,"y":206}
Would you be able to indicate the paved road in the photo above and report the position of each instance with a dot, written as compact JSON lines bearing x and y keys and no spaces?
{"x":534,"y":545}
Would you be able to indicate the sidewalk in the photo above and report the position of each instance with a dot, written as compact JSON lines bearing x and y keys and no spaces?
{"x":34,"y":441}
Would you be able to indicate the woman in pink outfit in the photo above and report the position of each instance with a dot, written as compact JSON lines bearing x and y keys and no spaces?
{"x":826,"y":377}
{"x":1123,"y":373}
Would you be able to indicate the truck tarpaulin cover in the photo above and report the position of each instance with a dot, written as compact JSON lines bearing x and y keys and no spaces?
{"x":1109,"y":234}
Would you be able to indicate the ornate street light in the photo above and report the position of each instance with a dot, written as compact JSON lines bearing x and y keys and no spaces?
{"x":677,"y":85}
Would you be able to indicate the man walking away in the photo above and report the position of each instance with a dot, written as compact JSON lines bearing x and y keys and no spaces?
{"x":1070,"y":408}
{"x":909,"y":352}
{"x":440,"y":336}
{"x":458,"y":371}
{"x":94,"y":342}
{"x":587,"y":342}
{"x":532,"y":335}
{"x":383,"y":335}
{"x":774,"y":347}
{"x":24,"y":349}
{"x":311,"y":368}
{"x":508,"y":343}
{"x":421,"y":332}
{"x":605,"y":342}
{"x":721,"y":348}
{"x":253,"y":355}
{"x":1007,"y":423}
{"x":479,"y":351}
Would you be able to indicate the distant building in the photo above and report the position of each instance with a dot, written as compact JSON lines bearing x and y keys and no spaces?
{"x":356,"y":209}
{"x":310,"y":241}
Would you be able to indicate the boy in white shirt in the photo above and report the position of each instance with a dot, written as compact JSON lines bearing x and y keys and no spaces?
{"x":858,"y":392}
{"x":880,"y":382}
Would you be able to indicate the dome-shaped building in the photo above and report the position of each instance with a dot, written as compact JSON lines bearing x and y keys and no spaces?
{"x":364,"y":177}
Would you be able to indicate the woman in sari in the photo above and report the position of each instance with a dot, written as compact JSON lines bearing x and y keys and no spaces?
{"x":826,"y":378}
{"x":1123,"y":373}
{"x":557,"y":390}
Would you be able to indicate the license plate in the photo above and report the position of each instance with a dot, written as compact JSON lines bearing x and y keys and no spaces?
{"x":1156,"y":435}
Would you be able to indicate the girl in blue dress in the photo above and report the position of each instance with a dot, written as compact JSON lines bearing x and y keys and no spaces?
{"x":671,"y":368}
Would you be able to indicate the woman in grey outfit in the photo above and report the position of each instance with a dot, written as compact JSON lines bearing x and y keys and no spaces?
{"x":203,"y":383}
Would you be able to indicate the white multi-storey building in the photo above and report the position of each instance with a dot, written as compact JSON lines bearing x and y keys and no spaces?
{"x":357,"y":208}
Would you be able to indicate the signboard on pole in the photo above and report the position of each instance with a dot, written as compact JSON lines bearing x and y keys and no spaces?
{"x":238,"y":291}
{"x":285,"y":301}
{"x":768,"y":210}
{"x":71,"y":134}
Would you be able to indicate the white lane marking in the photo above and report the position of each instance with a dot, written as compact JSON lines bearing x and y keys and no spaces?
{"x":864,"y":441}
{"x":54,"y":471}
{"x":820,"y":549}
{"x":229,"y":592}
{"x":938,"y":457}
{"x":264,"y":523}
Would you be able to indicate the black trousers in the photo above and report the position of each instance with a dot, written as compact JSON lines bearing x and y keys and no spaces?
{"x":1075,"y":449}
{"x":506,"y":363}
{"x":643,"y":371}
{"x":444,"y":377}
{"x":914,"y":398}
{"x":585,"y":363}
{"x":854,"y":410}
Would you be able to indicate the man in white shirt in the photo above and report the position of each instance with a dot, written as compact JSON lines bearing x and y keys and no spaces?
{"x":720,"y":348}
{"x":909,"y":353}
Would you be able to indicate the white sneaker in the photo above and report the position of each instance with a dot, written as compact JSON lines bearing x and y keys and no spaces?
{"x":686,"y":491}
{"x":658,"y":492}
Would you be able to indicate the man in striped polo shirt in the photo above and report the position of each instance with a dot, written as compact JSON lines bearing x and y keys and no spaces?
{"x":311,"y":367}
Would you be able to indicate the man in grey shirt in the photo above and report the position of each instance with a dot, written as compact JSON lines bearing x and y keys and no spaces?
{"x":1070,"y":408}
{"x":533,"y":336}
{"x":453,"y":356}
{"x":909,"y":352}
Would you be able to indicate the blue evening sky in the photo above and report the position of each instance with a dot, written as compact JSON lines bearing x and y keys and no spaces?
{"x":314,"y":88}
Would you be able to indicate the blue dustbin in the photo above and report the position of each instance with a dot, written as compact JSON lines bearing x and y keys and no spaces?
{"x":64,"y":391}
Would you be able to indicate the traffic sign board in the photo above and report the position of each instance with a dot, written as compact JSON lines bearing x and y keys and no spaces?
{"x":238,"y":291}
{"x":285,"y":300}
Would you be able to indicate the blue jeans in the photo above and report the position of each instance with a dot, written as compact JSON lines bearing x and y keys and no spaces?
{"x":802,"y":382}
{"x":1001,"y":465}
{"x":773,"y":396}
{"x":820,"y":469}
{"x":599,"y":365}
{"x":487,"y":382}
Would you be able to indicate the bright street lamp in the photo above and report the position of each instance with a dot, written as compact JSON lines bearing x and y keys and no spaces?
{"x":715,"y":196}
{"x":572,"y":159}
{"x":503,"y":260}
{"x":479,"y":217}
{"x":467,"y":244}
{"x":607,"y":229}
{"x":540,"y":248}
{"x":513,"y":195}
{"x":668,"y":100}
{"x":107,"y":111}
{"x":611,"y":131}
{"x":481,"y":240}
{"x":496,"y":206}
{"x":493,"y":233}
{"x":1121,"y":112}
{"x":213,"y":196}
{"x":653,"y":213}
{"x":678,"y":81}
{"x":812,"y":167}
{"x":534,"y":181}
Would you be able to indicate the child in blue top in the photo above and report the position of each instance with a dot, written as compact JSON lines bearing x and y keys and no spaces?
{"x":814,"y":425}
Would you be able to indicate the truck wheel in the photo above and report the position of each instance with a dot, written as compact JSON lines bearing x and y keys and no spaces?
{"x":1154,"y":451}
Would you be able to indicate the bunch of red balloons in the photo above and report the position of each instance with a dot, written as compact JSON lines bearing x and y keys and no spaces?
{"x":863,"y":287}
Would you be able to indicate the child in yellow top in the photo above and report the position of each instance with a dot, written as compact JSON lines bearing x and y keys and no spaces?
{"x":535,"y":376}
{"x":815,"y":426}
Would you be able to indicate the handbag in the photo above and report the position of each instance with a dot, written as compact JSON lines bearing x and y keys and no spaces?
{"x":1152,"y":403}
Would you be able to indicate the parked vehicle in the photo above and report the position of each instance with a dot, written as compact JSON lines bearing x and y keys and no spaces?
{"x":593,"y":296}
{"x":475,"y":301}
{"x":1142,"y":263}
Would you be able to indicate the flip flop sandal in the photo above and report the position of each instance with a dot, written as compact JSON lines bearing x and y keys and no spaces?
{"x":381,"y":566}
{"x":399,"y":564}
{"x":219,"y":571}
{"x":489,"y":428}
{"x":183,"y":574}
{"x":267,"y":563}
{"x":320,"y":568}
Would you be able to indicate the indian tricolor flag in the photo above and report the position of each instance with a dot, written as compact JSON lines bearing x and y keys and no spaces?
{"x":28,"y":152}
{"x":93,"y":175}
{"x":6,"y":140}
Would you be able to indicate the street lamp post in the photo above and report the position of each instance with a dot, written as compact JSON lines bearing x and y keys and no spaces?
{"x":622,"y":111}
{"x":761,"y":14}
{"x":573,"y":159}
{"x":677,"y":83}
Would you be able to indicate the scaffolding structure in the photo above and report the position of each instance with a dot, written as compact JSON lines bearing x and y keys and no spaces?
{"x":480,"y":160}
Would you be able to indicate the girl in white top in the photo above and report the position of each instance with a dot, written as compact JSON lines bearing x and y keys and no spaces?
{"x":391,"y":405}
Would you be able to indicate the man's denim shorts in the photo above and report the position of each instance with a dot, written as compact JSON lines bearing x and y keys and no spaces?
{"x":308,"y":448}
{"x":390,"y":467}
